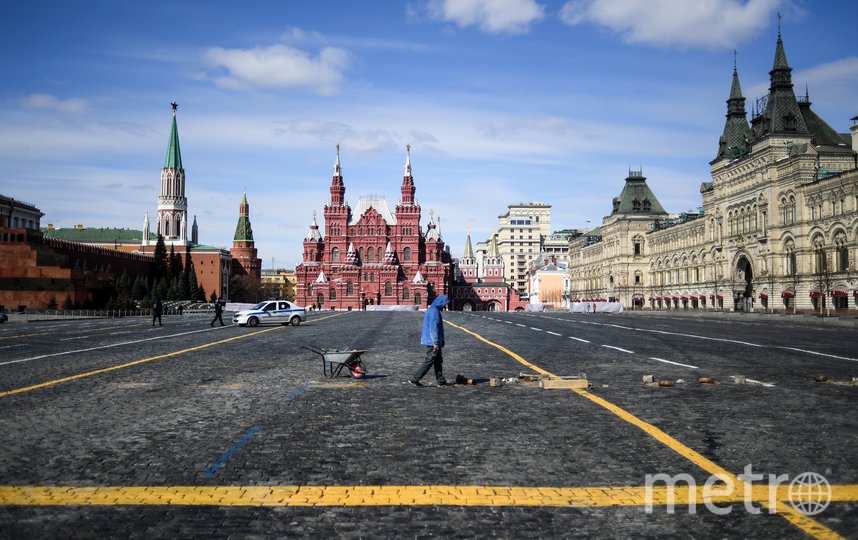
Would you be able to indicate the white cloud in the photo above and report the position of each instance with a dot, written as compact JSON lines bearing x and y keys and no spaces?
{"x":279,"y":66}
{"x":359,"y":141}
{"x":47,"y":101}
{"x":839,"y":72}
{"x":828,"y":83}
{"x":297,"y":35}
{"x":701,"y":23}
{"x":492,"y":16}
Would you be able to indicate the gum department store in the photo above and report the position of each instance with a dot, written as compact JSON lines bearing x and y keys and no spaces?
{"x":777,"y":229}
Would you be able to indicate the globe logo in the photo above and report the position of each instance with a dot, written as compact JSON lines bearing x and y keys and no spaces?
{"x":809,"y":493}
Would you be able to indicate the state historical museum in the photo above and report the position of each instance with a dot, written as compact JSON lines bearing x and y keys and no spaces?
{"x":372,"y":256}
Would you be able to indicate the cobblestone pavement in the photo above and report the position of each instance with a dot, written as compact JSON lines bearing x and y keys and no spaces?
{"x":117,"y":429}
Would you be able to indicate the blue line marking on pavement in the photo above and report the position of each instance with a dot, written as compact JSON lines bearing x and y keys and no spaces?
{"x":221,"y":461}
{"x":298,"y":391}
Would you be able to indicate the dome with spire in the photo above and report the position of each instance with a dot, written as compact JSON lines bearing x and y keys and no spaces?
{"x":351,"y":255}
{"x":469,"y":249}
{"x":313,"y":233}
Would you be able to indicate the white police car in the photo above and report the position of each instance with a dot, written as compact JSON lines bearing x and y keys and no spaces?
{"x":271,"y":312}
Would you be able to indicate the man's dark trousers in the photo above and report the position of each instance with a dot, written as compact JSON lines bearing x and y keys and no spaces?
{"x":433,"y":359}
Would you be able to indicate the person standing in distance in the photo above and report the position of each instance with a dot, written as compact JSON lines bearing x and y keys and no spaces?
{"x":433,"y":338}
{"x":157,"y":309}
{"x":219,"y":303}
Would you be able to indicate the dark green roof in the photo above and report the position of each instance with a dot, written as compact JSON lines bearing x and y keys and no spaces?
{"x":98,"y":235}
{"x":636,"y":198}
{"x":821,"y":134}
{"x":174,"y":155}
{"x":243,"y":231}
{"x":735,"y":140}
{"x":781,"y":114}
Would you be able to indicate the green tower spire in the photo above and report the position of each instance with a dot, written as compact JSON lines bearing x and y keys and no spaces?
{"x":174,"y":155}
{"x":243,"y":230}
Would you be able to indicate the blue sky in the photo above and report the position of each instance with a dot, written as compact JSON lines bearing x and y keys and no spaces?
{"x":502,"y":102}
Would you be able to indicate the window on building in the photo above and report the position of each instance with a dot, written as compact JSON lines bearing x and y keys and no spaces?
{"x":842,"y":259}
{"x":405,"y":294}
{"x":637,"y":248}
{"x":333,"y":294}
{"x":790,"y":264}
{"x":379,"y":257}
{"x":406,"y":254}
{"x":350,"y":289}
{"x":819,"y":259}
{"x":388,"y":289}
{"x":417,"y":298}
{"x":360,"y":254}
{"x":335,"y":254}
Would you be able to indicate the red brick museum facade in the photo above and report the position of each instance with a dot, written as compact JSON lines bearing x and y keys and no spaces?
{"x":371,"y":256}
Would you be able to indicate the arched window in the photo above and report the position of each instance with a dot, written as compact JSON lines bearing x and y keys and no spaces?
{"x":369,"y":254}
{"x":842,"y":251}
{"x":417,"y":298}
{"x":335,"y":254}
{"x":406,"y":254}
{"x":350,"y":289}
{"x":405,"y":294}
{"x":789,"y":263}
{"x":333,"y":294}
{"x":821,"y":266}
{"x":380,"y":256}
{"x":388,"y":289}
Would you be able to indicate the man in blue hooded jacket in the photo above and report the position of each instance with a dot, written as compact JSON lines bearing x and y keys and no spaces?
{"x":433,"y":338}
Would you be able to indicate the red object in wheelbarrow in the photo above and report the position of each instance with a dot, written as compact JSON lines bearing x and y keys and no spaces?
{"x":334,"y":360}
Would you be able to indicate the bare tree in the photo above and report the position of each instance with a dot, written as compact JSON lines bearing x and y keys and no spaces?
{"x":823,"y":279}
{"x":769,"y":278}
{"x":551,"y":296}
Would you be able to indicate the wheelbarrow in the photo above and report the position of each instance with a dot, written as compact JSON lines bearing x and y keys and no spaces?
{"x":334,"y":360}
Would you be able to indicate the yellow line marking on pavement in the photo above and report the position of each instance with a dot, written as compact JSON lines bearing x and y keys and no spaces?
{"x":431,"y":495}
{"x":808,"y":525}
{"x":495,"y":345}
{"x":142,"y":361}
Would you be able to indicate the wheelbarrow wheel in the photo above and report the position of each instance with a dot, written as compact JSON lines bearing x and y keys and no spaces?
{"x":357,"y":370}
